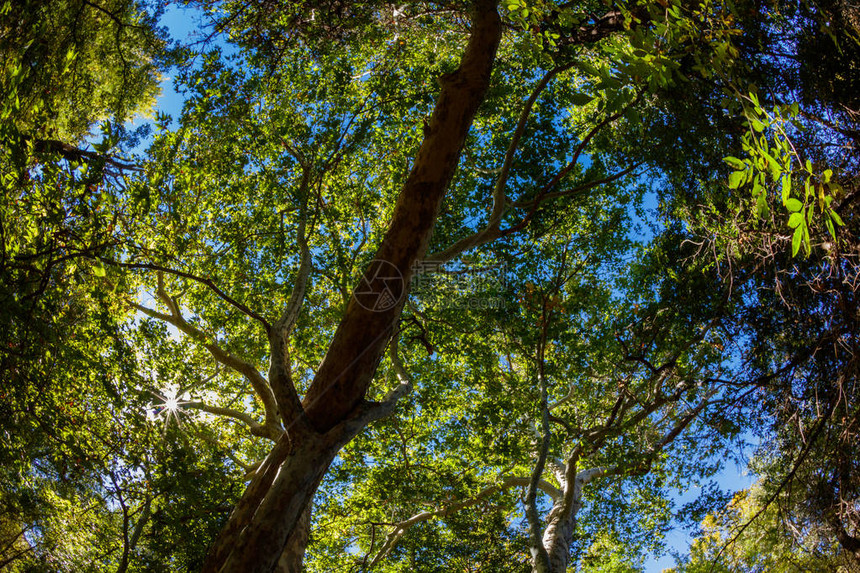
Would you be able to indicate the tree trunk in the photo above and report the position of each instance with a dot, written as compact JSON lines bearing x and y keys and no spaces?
{"x":558,"y":543}
{"x":561,"y":521}
{"x":294,"y":553}
{"x":265,"y":523}
{"x":558,"y":534}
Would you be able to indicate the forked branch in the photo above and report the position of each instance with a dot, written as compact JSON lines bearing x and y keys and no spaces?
{"x":260,"y":385}
{"x":505,"y":483}
{"x":491,"y":231}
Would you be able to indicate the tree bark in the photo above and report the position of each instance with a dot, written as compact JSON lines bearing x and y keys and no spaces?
{"x":363,"y":333}
{"x":265,"y":522}
{"x":561,"y":521}
{"x":294,"y":553}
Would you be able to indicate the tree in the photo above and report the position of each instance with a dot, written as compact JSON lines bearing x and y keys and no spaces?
{"x":799,"y":278}
{"x":726,"y":544}
{"x":66,"y":367}
{"x":306,"y":156}
{"x":70,"y":64}
{"x":316,"y":178}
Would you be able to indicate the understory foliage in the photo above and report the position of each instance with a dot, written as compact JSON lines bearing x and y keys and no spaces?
{"x":643,"y":256}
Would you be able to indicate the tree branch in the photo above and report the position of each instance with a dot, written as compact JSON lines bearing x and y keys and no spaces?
{"x":280,"y":369}
{"x":602,"y":27}
{"x":130,"y":543}
{"x":505,"y":482}
{"x":207,"y":282}
{"x":260,"y":385}
{"x":352,"y":358}
{"x":540,"y":557}
{"x":254,"y":426}
{"x":72,"y":153}
{"x":372,"y":411}
{"x":491,"y":231}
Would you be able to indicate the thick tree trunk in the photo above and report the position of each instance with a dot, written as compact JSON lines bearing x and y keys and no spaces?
{"x":265,"y":522}
{"x":558,"y":543}
{"x":294,"y":553}
{"x":561,"y":521}
{"x":558,"y":534}
{"x":264,"y":519}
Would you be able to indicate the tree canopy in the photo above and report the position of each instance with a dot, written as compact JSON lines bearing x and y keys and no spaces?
{"x":428,"y":286}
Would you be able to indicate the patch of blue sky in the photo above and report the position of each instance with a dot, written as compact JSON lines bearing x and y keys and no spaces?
{"x":188,"y":26}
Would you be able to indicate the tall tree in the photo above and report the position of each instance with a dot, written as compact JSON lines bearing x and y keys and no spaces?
{"x":343,"y":156}
{"x":306,"y":171}
{"x":67,"y":370}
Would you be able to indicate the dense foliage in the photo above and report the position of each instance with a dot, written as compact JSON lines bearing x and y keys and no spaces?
{"x":428,"y":286}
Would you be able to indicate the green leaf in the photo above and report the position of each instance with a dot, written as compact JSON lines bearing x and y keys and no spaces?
{"x":836,"y":218}
{"x":761,"y":205}
{"x":587,"y":68}
{"x":736,"y":178}
{"x":735,"y":162}
{"x":754,"y":99}
{"x":795,"y":220}
{"x":829,"y":224}
{"x":786,"y":188}
{"x":793,"y":205}
{"x":795,"y":241}
{"x":99,"y":270}
{"x":775,"y":168}
{"x":580,"y":98}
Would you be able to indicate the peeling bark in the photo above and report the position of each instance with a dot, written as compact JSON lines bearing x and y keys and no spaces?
{"x":561,"y":522}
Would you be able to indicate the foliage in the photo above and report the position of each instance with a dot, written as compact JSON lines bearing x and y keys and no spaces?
{"x":70,"y":64}
{"x":567,"y":373}
{"x":70,"y":453}
{"x":740,"y":538}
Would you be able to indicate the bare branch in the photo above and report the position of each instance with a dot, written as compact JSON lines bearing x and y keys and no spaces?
{"x":491,"y":231}
{"x":506,"y":482}
{"x":204,"y":281}
{"x":260,"y":385}
{"x":254,"y":426}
